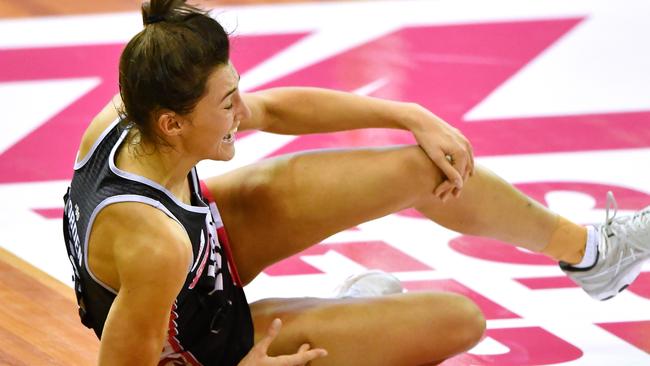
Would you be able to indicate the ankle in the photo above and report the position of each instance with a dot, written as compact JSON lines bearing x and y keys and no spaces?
{"x":591,"y":249}
{"x":568,"y":242}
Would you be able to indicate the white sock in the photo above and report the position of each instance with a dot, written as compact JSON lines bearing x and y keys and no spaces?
{"x":591,"y":248}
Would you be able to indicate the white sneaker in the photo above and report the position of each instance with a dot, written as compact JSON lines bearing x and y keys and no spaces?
{"x":624,"y":246}
{"x":371,"y":283}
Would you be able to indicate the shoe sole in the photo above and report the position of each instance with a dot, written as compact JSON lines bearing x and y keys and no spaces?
{"x":623,"y":283}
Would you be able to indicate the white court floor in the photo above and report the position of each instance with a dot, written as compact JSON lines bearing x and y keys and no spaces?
{"x":554,"y":95}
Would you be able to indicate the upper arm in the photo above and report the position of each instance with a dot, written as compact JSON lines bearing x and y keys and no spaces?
{"x":152,"y":256}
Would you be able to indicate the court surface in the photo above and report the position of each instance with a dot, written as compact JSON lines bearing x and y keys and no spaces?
{"x":554,"y":96}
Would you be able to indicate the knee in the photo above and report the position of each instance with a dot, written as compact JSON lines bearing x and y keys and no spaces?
{"x":464,"y":323}
{"x":423,"y":172}
{"x":470,"y":323}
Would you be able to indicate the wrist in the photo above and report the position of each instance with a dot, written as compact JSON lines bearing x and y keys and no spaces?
{"x":413,"y":117}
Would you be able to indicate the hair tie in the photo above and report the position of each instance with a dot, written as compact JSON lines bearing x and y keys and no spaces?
{"x":155,"y":18}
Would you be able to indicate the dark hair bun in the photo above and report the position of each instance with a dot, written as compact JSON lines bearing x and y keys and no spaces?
{"x":155,"y":11}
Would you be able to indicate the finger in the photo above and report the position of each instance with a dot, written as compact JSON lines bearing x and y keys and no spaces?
{"x":447,"y":195}
{"x":462,"y":167}
{"x":471,"y":167}
{"x":462,"y":163}
{"x":444,"y":195}
{"x":470,"y":149}
{"x":271,"y":333}
{"x":448,"y":170}
{"x":304,"y":347}
{"x":468,"y":173}
{"x":456,"y":192}
{"x":442,"y":188}
{"x":466,"y":153}
{"x":301,"y":358}
{"x":462,"y":160}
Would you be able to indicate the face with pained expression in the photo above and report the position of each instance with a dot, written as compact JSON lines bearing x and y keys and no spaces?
{"x":210,"y":133}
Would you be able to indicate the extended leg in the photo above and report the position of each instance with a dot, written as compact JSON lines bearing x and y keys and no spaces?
{"x":374,"y":331}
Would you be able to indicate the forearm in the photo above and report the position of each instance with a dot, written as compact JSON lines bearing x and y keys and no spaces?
{"x":128,"y":339}
{"x":298,"y":111}
{"x":142,"y":351}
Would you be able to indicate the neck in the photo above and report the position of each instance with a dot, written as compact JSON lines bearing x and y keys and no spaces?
{"x":161,"y":164}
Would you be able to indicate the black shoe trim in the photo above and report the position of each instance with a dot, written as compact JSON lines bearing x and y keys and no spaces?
{"x":569,"y":268}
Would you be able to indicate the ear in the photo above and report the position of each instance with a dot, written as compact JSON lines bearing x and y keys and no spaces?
{"x":169,"y":123}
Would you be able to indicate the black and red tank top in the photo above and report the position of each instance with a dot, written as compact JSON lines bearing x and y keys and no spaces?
{"x":210,"y":322}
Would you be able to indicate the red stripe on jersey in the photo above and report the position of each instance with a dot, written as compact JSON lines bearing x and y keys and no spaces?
{"x":172,"y":332}
{"x":206,"y":192}
{"x":203,"y":262}
{"x":223,"y":239}
{"x":222,"y":234}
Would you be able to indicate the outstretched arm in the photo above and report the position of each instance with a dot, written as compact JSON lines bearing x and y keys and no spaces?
{"x":298,"y":111}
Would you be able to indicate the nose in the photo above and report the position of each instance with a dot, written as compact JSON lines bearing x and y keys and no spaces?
{"x":242,"y":111}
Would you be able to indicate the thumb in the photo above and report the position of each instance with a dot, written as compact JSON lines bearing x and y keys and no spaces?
{"x":273,"y":331}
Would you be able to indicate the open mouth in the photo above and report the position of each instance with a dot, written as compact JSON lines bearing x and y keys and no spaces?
{"x":230,"y":136}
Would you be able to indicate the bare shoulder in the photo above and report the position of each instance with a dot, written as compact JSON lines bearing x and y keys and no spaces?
{"x":144,"y":240}
{"x":98,"y":125}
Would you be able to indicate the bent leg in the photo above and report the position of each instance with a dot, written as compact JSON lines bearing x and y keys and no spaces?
{"x":279,"y":207}
{"x":374,"y":331}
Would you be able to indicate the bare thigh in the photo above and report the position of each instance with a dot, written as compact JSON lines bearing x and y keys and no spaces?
{"x":279,"y":207}
{"x":407,"y":329}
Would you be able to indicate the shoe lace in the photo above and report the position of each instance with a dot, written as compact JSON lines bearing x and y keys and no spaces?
{"x":630,"y":229}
